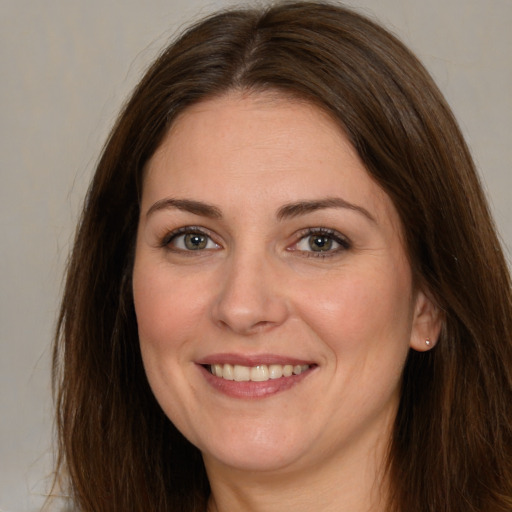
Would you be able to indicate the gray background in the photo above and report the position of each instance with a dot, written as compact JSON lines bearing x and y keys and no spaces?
{"x":66,"y":67}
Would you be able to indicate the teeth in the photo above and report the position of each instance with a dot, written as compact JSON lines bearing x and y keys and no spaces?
{"x":241,"y":373}
{"x":297,"y":370}
{"x":287,"y":370}
{"x":228,"y":372}
{"x":259,"y":373}
{"x":275,"y":371}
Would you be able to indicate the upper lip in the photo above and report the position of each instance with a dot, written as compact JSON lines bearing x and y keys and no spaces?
{"x":251,"y":360}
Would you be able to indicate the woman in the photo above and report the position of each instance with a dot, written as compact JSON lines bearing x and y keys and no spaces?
{"x":286,"y":289}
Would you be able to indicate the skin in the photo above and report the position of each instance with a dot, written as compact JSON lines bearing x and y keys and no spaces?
{"x":258,"y":290}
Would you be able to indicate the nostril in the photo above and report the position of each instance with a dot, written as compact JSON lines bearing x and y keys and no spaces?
{"x":248,"y":327}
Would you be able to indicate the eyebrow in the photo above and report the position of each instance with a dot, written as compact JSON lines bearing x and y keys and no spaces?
{"x":186,"y":205}
{"x":287,"y":211}
{"x":304,"y":207}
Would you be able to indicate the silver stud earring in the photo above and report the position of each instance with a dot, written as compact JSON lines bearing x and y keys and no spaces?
{"x":427,"y":342}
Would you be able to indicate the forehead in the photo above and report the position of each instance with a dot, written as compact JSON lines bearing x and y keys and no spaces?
{"x":280,"y":149}
{"x":268,"y":123}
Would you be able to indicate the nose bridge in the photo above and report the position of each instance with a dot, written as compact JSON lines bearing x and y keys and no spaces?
{"x":250,"y":296}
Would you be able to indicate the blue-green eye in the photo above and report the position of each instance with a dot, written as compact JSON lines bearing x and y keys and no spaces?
{"x":322,"y":241}
{"x":190,"y":240}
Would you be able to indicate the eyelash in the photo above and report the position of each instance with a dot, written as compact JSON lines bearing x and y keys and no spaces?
{"x":334,"y":236}
{"x":187,"y":230}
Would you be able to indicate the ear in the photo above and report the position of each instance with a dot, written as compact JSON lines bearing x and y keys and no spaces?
{"x":426,"y":324}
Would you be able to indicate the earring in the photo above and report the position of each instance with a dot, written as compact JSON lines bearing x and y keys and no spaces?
{"x":427,"y":342}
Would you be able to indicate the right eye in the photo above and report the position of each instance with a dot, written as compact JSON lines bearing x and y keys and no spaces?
{"x":189,"y":240}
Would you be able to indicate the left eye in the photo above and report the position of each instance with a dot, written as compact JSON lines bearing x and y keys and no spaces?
{"x":192,"y":242}
{"x":321,"y":243}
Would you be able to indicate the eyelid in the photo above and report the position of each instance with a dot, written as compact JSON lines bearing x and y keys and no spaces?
{"x":166,"y":240}
{"x":343,"y":241}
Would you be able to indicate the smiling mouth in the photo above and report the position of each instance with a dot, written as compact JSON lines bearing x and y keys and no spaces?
{"x":259,"y":373}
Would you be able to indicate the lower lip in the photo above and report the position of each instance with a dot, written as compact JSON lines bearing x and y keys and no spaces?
{"x":250,"y":389}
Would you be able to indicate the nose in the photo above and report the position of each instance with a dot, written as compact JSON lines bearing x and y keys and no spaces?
{"x":252,"y":296}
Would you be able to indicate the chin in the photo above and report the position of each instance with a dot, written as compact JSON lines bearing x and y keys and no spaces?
{"x":252,"y":460}
{"x":259,"y":450}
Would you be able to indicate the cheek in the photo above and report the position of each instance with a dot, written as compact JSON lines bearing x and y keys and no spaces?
{"x":163,"y":298}
{"x":166,"y":308}
{"x":360,"y":309}
{"x":166,"y":316}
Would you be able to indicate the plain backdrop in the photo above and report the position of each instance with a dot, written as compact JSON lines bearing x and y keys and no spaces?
{"x":67,"y":66}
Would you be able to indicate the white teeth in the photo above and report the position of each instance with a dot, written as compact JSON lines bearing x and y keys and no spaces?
{"x":259,"y":373}
{"x":228,"y":372}
{"x":287,"y":370}
{"x":275,"y":371}
{"x":242,"y":373}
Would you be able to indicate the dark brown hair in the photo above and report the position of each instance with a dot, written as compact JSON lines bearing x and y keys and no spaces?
{"x":451,"y":446}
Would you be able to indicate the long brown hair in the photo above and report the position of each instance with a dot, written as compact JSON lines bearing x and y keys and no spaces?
{"x":451,"y":446}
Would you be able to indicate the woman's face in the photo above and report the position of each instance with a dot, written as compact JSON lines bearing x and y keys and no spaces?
{"x":273,"y":295}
